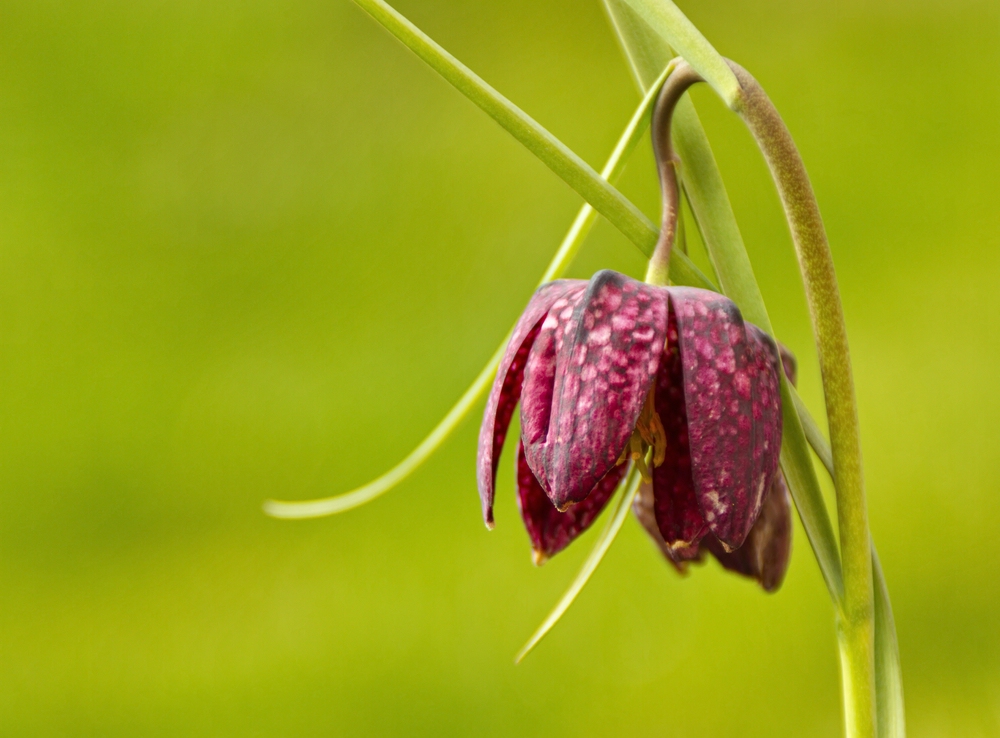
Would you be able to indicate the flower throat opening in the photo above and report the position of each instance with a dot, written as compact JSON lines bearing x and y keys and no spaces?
{"x":648,"y":434}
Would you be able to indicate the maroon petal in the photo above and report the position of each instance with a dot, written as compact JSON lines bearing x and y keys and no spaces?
{"x":606,"y":357}
{"x":765,"y":552}
{"x":675,"y":506}
{"x":733,"y":409}
{"x":540,"y":375}
{"x":644,"y":507}
{"x":550,"y":530}
{"x":507,"y":385}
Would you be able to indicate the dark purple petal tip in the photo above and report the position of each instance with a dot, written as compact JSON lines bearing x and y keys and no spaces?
{"x":644,"y":508}
{"x":765,"y":553}
{"x":551,"y":531}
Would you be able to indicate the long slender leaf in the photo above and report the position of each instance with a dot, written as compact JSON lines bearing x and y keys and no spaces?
{"x":552,"y":152}
{"x":888,"y":671}
{"x":814,"y":435}
{"x":716,"y":220}
{"x":796,"y":464}
{"x":645,"y":51}
{"x":564,"y":256}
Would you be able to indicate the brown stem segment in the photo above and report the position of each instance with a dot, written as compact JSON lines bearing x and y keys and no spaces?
{"x":675,"y":85}
{"x":856,"y":622}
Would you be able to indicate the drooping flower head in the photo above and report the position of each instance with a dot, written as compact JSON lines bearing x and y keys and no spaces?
{"x":615,"y":369}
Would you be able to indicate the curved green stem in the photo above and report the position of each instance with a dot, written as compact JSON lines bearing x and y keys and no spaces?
{"x":857,"y":612}
{"x":666,"y":163}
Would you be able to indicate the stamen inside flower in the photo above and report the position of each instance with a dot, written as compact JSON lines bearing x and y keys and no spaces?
{"x":638,"y":455}
{"x":648,"y":433}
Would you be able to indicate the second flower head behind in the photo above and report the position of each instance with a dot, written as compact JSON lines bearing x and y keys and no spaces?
{"x":613,"y":370}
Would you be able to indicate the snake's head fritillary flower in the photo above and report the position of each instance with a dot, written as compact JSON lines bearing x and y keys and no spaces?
{"x":613,"y":370}
{"x":764,"y":554}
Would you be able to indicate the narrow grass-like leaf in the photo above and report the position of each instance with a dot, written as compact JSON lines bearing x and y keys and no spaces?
{"x":888,"y":674}
{"x":552,"y":152}
{"x":645,"y":50}
{"x":813,"y":434}
{"x":667,"y":21}
{"x":805,"y":490}
{"x":888,"y":671}
{"x":614,"y":524}
{"x":716,"y":220}
{"x":381,"y":485}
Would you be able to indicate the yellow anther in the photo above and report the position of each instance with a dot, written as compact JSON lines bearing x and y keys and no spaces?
{"x":650,"y":429}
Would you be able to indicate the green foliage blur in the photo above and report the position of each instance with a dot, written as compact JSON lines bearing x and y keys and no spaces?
{"x":256,"y":249}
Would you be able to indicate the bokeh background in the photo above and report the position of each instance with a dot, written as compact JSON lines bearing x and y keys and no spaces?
{"x":256,"y":249}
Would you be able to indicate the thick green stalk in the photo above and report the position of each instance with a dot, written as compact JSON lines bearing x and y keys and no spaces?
{"x":856,"y":623}
{"x":888,"y":673}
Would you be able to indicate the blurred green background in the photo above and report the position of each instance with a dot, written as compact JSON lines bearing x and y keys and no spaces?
{"x":256,"y":249}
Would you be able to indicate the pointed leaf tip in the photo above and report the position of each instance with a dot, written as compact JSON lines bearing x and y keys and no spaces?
{"x":601,"y":546}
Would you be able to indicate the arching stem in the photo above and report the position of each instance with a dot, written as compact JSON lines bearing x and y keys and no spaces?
{"x":675,"y":86}
{"x":856,"y":616}
{"x":856,"y":610}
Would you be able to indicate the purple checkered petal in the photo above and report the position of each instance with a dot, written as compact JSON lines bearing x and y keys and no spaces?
{"x":551,"y":531}
{"x":507,"y":385}
{"x":733,"y":408}
{"x":675,"y":505}
{"x":606,"y":356}
{"x":765,"y":552}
